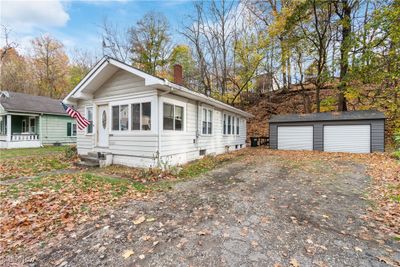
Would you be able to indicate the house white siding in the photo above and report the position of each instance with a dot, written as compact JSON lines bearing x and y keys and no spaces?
{"x":157,"y":146}
{"x":182,"y":146}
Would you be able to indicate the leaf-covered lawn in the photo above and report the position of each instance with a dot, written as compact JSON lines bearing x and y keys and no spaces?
{"x":29,"y":166}
{"x":48,"y":206}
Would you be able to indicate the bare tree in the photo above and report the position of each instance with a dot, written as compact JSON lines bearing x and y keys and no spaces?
{"x":115,"y":41}
{"x":8,"y":45}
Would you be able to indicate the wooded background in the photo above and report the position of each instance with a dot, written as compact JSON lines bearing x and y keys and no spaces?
{"x":266,"y":56}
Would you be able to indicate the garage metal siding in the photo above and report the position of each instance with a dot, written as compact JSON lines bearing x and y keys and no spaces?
{"x":378,"y":135}
{"x":377,"y":132}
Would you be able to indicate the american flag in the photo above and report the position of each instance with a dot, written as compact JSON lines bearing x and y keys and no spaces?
{"x":82,"y":122}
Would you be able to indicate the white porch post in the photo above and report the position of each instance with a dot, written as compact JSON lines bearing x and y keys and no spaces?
{"x":8,"y":128}
{"x":40,"y":130}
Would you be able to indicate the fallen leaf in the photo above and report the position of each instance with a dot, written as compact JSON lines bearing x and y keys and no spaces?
{"x":127,"y":253}
{"x":294,"y":262}
{"x":358,"y":249}
{"x":139,"y":220}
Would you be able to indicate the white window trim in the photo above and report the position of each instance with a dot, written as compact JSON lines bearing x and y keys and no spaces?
{"x":233,"y":125}
{"x":86,"y":116}
{"x":129,"y":103}
{"x":174,"y":103}
{"x":72,"y":129}
{"x":212,"y":121}
{"x":141,"y":117}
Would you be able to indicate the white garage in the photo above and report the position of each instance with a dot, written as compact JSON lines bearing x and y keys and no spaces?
{"x":350,"y":131}
{"x":295,"y":137}
{"x":347,"y":138}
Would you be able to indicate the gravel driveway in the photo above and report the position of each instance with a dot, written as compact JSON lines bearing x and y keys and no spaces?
{"x":263,"y":212}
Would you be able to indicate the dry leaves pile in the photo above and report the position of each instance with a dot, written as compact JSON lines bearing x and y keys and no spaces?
{"x":50,"y":206}
{"x":137,"y":174}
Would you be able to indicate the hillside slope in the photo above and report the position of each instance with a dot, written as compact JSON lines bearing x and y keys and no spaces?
{"x":295,"y":100}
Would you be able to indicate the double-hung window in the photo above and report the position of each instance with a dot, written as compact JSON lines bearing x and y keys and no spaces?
{"x":172,"y":117}
{"x":237,"y":126}
{"x":233,"y":125}
{"x":120,"y":118}
{"x":89,"y":117}
{"x":207,"y":121}
{"x":229,"y":124}
{"x":224,"y":123}
{"x":71,"y":129}
{"x":3,"y":125}
{"x":141,"y":116}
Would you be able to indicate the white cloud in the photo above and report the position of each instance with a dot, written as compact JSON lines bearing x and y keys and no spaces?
{"x":26,"y":16}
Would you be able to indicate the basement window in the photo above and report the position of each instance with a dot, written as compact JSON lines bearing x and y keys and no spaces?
{"x":202,"y":152}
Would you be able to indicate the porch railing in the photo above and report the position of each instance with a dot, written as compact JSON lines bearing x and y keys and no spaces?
{"x":24,"y":137}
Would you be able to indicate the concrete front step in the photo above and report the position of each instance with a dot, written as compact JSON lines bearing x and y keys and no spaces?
{"x":89,"y":159}
{"x":93,"y":154}
{"x":87,"y":164}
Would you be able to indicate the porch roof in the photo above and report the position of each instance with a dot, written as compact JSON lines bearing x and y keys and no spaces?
{"x":19,"y":102}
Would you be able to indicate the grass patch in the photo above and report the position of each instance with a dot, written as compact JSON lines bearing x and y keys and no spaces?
{"x":28,"y":152}
{"x":396,"y":154}
{"x":30,"y":166}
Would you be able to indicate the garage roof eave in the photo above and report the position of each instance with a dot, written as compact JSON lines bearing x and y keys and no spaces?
{"x":329,"y":116}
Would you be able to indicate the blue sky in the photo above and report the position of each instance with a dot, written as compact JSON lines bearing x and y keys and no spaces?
{"x":76,"y":23}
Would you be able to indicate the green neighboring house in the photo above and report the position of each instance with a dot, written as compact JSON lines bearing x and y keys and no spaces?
{"x":33,"y":121}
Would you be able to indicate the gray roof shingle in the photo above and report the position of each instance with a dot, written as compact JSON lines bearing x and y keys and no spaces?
{"x":329,"y":116}
{"x":19,"y":102}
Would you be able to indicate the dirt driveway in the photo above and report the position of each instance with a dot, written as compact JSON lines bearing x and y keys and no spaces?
{"x":264,"y":212}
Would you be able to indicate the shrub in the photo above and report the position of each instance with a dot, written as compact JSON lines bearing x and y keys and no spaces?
{"x":71,"y":152}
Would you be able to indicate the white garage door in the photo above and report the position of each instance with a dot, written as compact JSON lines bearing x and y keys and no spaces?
{"x":347,"y":138}
{"x":295,"y":137}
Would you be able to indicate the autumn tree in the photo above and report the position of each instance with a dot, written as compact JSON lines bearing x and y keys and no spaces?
{"x":49,"y":63}
{"x":15,"y":72}
{"x":182,"y":55}
{"x":150,"y":43}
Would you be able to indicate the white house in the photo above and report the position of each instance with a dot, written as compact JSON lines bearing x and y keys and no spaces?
{"x":144,"y":121}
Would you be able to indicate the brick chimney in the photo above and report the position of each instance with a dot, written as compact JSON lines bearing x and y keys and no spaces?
{"x":178,"y":77}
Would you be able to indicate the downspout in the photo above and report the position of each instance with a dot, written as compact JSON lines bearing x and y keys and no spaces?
{"x":159,"y":107}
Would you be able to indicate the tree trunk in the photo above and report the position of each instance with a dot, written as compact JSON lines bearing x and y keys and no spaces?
{"x":344,"y":54}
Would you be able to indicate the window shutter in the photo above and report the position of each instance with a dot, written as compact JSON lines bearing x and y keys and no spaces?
{"x":69,"y":128}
